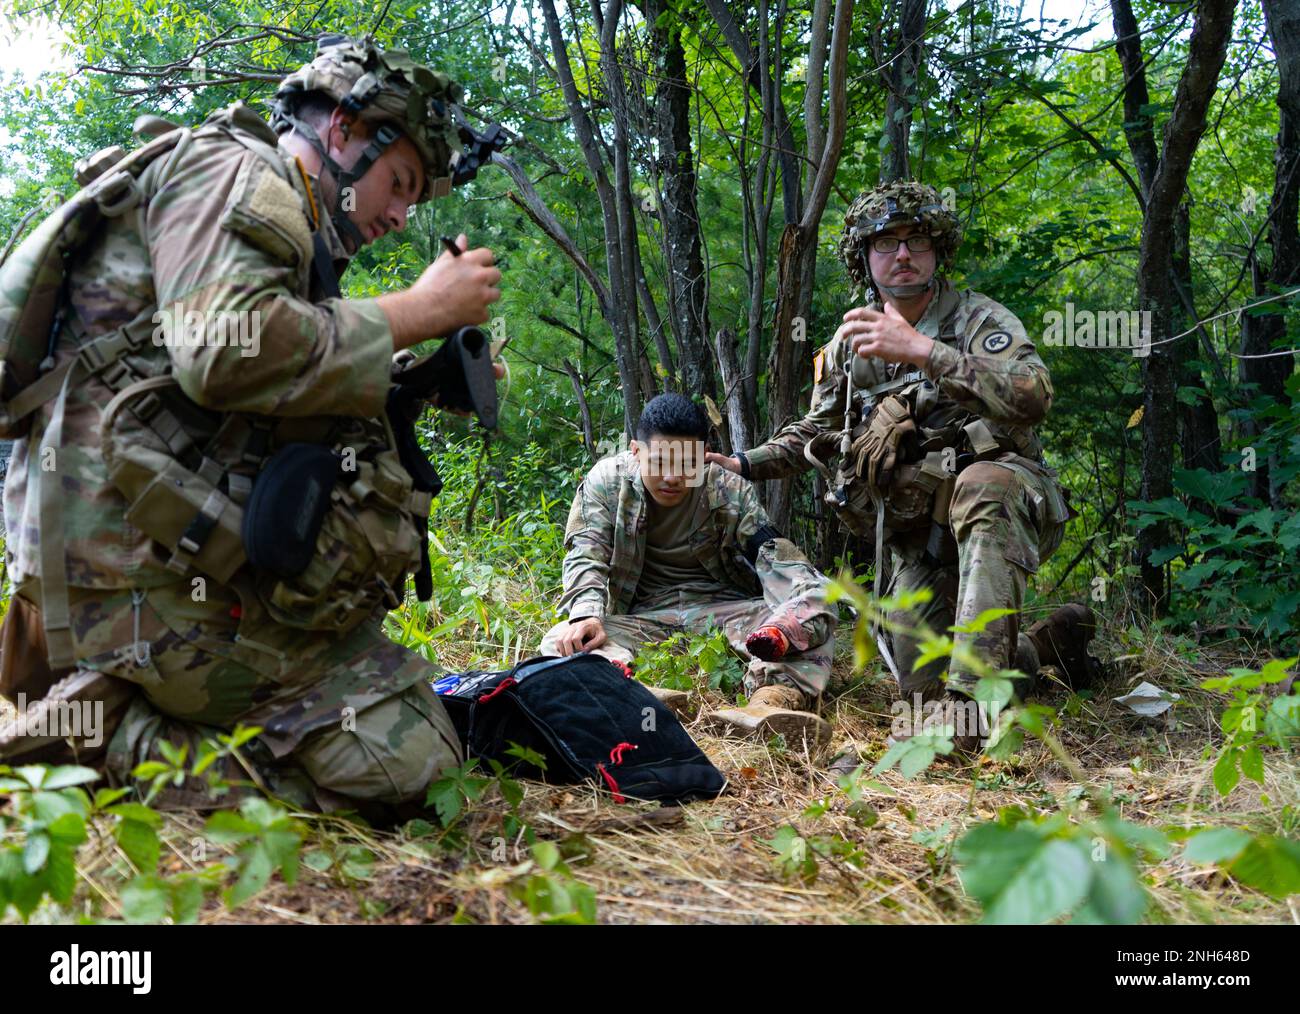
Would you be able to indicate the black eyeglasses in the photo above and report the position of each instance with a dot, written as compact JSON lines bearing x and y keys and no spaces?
{"x":889,"y":244}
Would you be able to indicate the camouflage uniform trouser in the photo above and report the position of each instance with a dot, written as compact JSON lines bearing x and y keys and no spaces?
{"x":808,"y":669}
{"x":1004,"y":526}
{"x":346,"y":718}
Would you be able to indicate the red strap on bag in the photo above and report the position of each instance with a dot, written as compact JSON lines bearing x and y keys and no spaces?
{"x":509,"y":681}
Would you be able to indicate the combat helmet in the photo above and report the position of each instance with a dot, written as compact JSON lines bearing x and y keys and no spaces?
{"x":394,"y":95}
{"x":888,"y":204}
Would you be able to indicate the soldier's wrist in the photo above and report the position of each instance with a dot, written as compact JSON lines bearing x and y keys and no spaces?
{"x":410,"y":318}
{"x":586,"y":611}
{"x":744,"y":464}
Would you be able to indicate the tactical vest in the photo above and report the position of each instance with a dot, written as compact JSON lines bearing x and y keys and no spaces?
{"x":186,"y":472}
{"x":948,"y":439}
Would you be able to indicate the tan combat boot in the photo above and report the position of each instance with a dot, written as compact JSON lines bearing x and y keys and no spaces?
{"x":1062,"y":641}
{"x":73,"y":721}
{"x":776,"y":708}
{"x":676,"y":701}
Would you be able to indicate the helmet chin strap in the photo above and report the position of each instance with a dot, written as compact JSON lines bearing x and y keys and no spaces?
{"x":344,"y":179}
{"x":906,"y":291}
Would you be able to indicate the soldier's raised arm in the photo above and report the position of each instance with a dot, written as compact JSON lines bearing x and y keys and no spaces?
{"x":227,"y":236}
{"x":1000,"y":376}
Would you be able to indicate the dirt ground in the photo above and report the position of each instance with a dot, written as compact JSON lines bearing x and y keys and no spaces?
{"x":710,"y":863}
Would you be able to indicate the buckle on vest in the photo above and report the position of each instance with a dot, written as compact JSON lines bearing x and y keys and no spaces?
{"x":197,"y":533}
{"x":117,"y":195}
{"x":147,"y":407}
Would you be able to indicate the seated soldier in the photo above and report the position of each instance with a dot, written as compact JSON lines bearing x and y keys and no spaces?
{"x":659,"y":541}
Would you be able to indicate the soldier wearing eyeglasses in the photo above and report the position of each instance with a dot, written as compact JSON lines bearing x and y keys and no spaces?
{"x":928,"y":396}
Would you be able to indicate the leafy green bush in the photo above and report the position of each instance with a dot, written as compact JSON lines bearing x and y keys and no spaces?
{"x":690,"y":662}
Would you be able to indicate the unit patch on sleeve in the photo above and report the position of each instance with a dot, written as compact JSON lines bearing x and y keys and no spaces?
{"x":997,"y":341}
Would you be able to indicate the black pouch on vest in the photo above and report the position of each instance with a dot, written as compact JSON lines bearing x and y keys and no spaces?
{"x":589,"y":720}
{"x":283,"y":515}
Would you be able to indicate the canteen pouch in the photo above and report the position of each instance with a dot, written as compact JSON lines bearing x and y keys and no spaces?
{"x":284,"y":513}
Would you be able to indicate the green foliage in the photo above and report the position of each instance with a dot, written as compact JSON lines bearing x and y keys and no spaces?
{"x":265,"y":838}
{"x":1025,"y":868}
{"x":799,"y":856}
{"x":1237,"y":565}
{"x":1269,"y":863}
{"x":552,"y":894}
{"x":1251,"y":723}
{"x":49,"y":811}
{"x":51,"y":815}
{"x":174,"y":769}
{"x":449,"y":795}
{"x":691,"y":661}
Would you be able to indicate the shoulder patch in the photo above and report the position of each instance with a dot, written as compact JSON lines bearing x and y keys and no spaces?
{"x":818,"y":366}
{"x":268,"y":212}
{"x":996,"y":342}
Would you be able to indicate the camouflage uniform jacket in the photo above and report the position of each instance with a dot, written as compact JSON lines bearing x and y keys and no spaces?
{"x":983,"y":364}
{"x":223,"y":232}
{"x":605,"y":542}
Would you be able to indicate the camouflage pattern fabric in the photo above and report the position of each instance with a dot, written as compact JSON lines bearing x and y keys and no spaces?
{"x":1006,"y":514}
{"x":605,"y":543}
{"x":900,"y":202}
{"x":222,"y":236}
{"x":983,"y":364}
{"x":1004,"y":530}
{"x":228,"y":233}
{"x":628,"y":635}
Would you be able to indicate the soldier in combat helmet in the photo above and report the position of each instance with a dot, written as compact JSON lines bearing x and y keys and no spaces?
{"x":131,"y":588}
{"x":930,"y":394}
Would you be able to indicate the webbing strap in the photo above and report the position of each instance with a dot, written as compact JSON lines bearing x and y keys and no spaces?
{"x":881,"y":642}
{"x":981,"y":439}
{"x":55,"y":608}
{"x":911,"y":377}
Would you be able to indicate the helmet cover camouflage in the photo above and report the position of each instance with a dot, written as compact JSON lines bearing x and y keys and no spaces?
{"x":900,"y":202}
{"x":382,"y":87}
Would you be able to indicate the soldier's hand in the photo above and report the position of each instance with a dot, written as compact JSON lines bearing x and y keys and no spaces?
{"x":452,"y":292}
{"x":730,"y":464}
{"x":581,"y":635}
{"x":886,"y":335}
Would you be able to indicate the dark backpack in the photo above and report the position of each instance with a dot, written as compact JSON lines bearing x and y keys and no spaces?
{"x":589,"y":719}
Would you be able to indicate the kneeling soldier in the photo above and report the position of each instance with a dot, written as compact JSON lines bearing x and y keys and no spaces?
{"x":930,"y":396}
{"x":659,"y":541}
{"x":134,"y":583}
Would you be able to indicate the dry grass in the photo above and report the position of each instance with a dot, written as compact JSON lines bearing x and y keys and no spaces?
{"x":708,"y":863}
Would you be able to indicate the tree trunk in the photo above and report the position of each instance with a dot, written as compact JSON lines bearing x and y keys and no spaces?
{"x":1161,"y":368}
{"x":680,"y":219}
{"x":620,"y":312}
{"x":899,"y":79}
{"x":742,"y":422}
{"x":1262,"y":332}
{"x":790,"y":362}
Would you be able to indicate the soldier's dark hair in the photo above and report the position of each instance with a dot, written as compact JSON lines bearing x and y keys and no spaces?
{"x":672,"y":415}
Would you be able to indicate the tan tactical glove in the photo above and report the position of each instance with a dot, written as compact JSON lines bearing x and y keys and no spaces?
{"x":876,"y":451}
